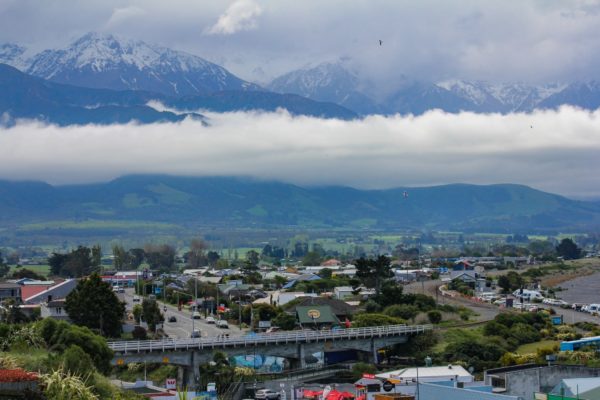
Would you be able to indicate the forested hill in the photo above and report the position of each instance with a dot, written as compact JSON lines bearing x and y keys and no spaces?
{"x":236,"y":202}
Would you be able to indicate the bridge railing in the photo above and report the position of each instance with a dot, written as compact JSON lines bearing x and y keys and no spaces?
{"x":304,"y":336}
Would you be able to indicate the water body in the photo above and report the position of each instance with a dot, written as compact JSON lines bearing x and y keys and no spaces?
{"x":585,"y":289}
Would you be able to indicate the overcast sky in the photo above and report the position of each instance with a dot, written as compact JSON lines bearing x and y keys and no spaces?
{"x":556,"y":151}
{"x":495,"y":40}
{"x":530,"y":41}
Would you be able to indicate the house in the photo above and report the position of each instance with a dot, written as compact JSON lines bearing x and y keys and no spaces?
{"x":316,"y":317}
{"x":340,"y":309}
{"x":449,"y":373}
{"x":405,"y":275}
{"x":331,"y":263}
{"x":10,"y":291}
{"x":59,"y":291}
{"x":468,"y":277}
{"x":462,"y":265}
{"x":54,"y":309}
{"x":343,"y":292}
{"x":458,"y":391}
{"x":301,"y":278}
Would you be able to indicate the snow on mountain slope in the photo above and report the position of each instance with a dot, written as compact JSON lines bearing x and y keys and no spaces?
{"x":108,"y":61}
{"x":332,"y":82}
{"x":501,"y":97}
{"x":13,"y":55}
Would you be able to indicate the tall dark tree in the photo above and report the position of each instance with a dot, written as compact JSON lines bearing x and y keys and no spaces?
{"x":373,"y":272}
{"x":57,"y":262}
{"x":120,"y":258}
{"x":212,"y":257}
{"x":196,"y":257}
{"x":151,"y":314}
{"x":4,"y":268}
{"x":568,"y":250}
{"x":136,"y":257}
{"x":96,"y":256}
{"x":94,"y":304}
{"x":79,"y":262}
{"x":160,"y":257}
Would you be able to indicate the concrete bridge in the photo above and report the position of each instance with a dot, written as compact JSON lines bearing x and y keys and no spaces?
{"x":189,"y":354}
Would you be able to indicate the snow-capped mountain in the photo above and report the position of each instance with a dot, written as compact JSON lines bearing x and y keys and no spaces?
{"x":501,"y":97}
{"x":330,"y":81}
{"x":582,"y":94}
{"x":111,"y":62}
{"x":13,"y":54}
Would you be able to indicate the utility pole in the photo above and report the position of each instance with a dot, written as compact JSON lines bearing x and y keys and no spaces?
{"x":239,"y":307}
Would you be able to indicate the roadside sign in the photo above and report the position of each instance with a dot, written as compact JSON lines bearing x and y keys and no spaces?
{"x":171,"y":383}
{"x":120,"y":362}
{"x":165,"y":360}
{"x":264,"y":324}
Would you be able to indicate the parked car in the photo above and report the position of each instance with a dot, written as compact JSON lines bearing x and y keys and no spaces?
{"x":210,"y":320}
{"x":266,"y":394}
{"x":196,"y":315}
{"x":222,"y":324}
{"x":195,"y":334}
{"x":136,"y":299}
{"x":172,"y":318}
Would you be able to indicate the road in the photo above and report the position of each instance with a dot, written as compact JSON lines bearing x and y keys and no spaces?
{"x":487,"y":311}
{"x":185,"y":325}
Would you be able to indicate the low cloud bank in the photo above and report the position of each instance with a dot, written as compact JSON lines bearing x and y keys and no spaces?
{"x":556,"y":151}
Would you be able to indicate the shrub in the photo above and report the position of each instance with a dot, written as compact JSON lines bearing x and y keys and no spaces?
{"x":76,"y":362}
{"x":404,"y":311}
{"x":435,"y":317}
{"x":139,"y":333}
{"x":363,"y":320}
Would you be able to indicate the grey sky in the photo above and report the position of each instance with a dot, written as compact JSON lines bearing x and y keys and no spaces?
{"x":559,"y":154}
{"x":495,"y":40}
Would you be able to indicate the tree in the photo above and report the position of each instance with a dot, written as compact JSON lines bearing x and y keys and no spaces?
{"x":195,"y":257}
{"x":435,"y":317}
{"x":151,"y":314}
{"x":94,"y":304}
{"x":27,"y":273}
{"x":56,"y":262}
{"x":96,"y":256}
{"x":253,"y":258}
{"x":79,"y":262}
{"x":160,"y":257}
{"x":311,"y":258}
{"x":285,"y":321}
{"x":4,"y":268}
{"x":325,"y":273}
{"x":568,"y":250}
{"x":137,"y":313}
{"x":77,"y":362}
{"x":120,"y":258}
{"x":212,"y":257}
{"x":139,"y":333}
{"x":373,"y":272}
{"x":136,"y":257}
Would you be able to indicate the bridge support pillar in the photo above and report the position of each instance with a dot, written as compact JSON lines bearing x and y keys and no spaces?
{"x":373,"y":352}
{"x":302,"y":356}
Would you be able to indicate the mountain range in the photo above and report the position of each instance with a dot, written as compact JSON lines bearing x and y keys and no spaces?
{"x":239,"y":202}
{"x":330,"y":90}
{"x":339,"y":83}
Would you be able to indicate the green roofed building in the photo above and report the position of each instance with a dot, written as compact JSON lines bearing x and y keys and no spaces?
{"x":316,"y":317}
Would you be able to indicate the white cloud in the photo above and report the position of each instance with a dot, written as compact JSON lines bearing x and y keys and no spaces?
{"x":559,"y":154}
{"x":124,"y":15}
{"x":239,"y":16}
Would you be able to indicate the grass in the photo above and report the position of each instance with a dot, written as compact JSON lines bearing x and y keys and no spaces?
{"x":534,"y":347}
{"x":43,"y":269}
{"x":96,"y":224}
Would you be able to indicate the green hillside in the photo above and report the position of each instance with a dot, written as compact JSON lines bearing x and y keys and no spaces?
{"x":163,"y":202}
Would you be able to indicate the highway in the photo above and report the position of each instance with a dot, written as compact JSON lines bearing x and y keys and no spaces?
{"x":182,"y":329}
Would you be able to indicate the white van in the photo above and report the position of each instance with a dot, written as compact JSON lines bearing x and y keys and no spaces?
{"x":528,"y":295}
{"x":593,"y":309}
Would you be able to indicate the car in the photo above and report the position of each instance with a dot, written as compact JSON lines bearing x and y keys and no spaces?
{"x":196,"y":315}
{"x":136,"y":299}
{"x":172,"y":318}
{"x":196,"y":334}
{"x":222,"y":324}
{"x":210,"y":320}
{"x":266,"y":394}
{"x":273,"y":329}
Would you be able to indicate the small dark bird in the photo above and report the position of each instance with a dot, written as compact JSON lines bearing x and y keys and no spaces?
{"x":380,"y":42}
{"x":531,"y":126}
